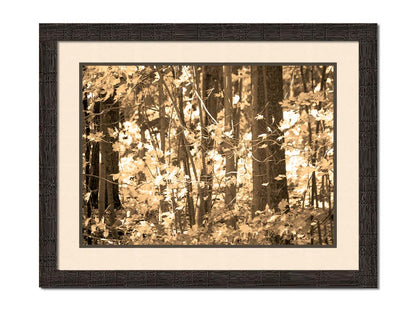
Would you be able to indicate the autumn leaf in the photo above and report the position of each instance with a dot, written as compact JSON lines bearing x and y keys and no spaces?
{"x":159,"y":180}
{"x":280,"y":177}
{"x":245,"y":229}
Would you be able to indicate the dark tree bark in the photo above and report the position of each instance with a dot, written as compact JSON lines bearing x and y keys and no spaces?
{"x":210,"y":87}
{"x":314,"y":148}
{"x":113,"y":197}
{"x":277,"y":168}
{"x":319,"y":128}
{"x":108,"y":192}
{"x":313,"y":195}
{"x":87,"y":152}
{"x":183,"y":155}
{"x":263,"y":92}
{"x":162,"y":132}
{"x":238,"y":89}
{"x":230,"y":169}
{"x":259,"y":154}
{"x":323,"y":78}
{"x":304,"y":80}
{"x":94,"y":158}
{"x":102,"y":168}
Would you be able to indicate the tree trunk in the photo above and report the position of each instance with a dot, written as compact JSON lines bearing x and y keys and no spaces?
{"x":238,"y":89}
{"x":87,"y":152}
{"x":315,"y":199}
{"x":113,"y":200}
{"x":194,"y":214}
{"x":108,"y":193}
{"x":304,"y":82}
{"x":259,"y":154}
{"x":263,"y":92}
{"x":210,"y":87}
{"x":94,"y":159}
{"x":162,"y":131}
{"x":113,"y":168}
{"x":277,"y":169}
{"x":102,"y":169}
{"x":230,"y":170}
{"x":313,"y":193}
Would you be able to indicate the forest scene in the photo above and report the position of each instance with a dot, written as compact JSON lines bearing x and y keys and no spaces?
{"x":207,"y":155}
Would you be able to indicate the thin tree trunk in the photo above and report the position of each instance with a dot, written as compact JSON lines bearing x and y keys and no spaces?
{"x":328,"y":183}
{"x":113,"y":156}
{"x":94,"y":159}
{"x":230,"y":170}
{"x":315,"y":148}
{"x":182,"y":125}
{"x":110,"y":203}
{"x":323,"y":78}
{"x":87,"y":153}
{"x":312,"y":79}
{"x":162,"y":131}
{"x":263,"y":84}
{"x":292,"y":80}
{"x":203,"y":195}
{"x":319,"y":232}
{"x":194,"y":214}
{"x":322,"y":192}
{"x":237,"y":87}
{"x":102,"y":170}
{"x":318,"y":123}
{"x":304,"y":82}
{"x":313,"y":193}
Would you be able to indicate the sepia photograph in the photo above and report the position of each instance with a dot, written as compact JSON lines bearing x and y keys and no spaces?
{"x":214,"y":155}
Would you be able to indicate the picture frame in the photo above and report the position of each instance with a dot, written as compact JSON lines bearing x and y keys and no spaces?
{"x":52,"y":277}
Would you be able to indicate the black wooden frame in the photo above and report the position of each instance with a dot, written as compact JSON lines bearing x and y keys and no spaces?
{"x":365,"y":34}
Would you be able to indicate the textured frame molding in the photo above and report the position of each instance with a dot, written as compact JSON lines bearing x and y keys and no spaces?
{"x":365,"y":34}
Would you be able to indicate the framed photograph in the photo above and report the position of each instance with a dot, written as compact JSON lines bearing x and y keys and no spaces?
{"x":208,"y":155}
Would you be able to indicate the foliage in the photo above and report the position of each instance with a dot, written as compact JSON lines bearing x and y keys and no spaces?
{"x":171,"y":149}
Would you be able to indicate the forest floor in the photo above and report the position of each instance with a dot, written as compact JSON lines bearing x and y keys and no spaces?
{"x":292,"y":227}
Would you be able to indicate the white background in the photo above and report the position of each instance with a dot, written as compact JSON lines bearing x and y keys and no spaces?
{"x":19,"y":153}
